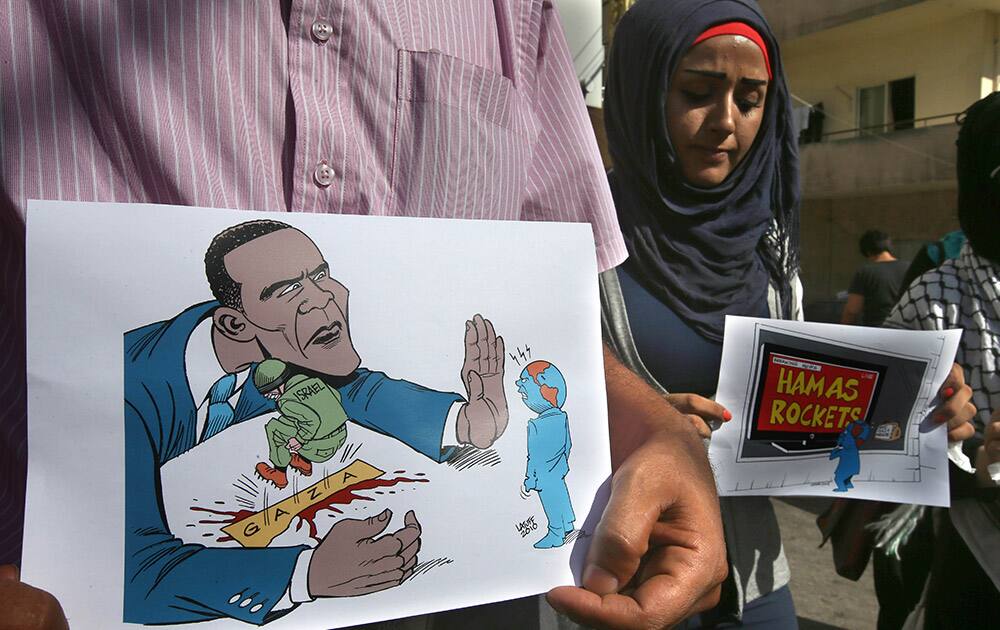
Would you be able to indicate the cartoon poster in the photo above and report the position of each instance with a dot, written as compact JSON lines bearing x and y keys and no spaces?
{"x":821,"y":409}
{"x":306,"y":421}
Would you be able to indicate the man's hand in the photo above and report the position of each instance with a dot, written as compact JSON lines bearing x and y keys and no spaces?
{"x":957,"y":409}
{"x":25,"y":607}
{"x":853,"y":308}
{"x":294,"y":445}
{"x":483,"y":419}
{"x":352,"y":561}
{"x":658,"y":555}
{"x":704,"y":415}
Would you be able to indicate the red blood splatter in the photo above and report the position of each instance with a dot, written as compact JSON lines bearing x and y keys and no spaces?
{"x":233,"y":517}
{"x":308,"y":515}
{"x":345,"y":497}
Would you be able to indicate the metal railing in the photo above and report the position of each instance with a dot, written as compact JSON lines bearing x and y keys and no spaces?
{"x":889,"y":127}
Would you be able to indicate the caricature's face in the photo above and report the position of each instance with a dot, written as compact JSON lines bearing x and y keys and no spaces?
{"x":531,"y":393}
{"x":843,"y":439}
{"x":291,"y":305}
{"x":715,"y":106}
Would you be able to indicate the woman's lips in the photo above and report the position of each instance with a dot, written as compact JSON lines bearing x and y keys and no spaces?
{"x":713,"y":155}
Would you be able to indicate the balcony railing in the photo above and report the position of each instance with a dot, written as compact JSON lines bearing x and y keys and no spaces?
{"x":897,"y":125}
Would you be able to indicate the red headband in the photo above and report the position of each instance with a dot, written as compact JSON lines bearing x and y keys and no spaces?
{"x":738,"y":28}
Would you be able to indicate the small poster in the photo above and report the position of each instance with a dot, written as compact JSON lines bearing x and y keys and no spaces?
{"x":829,"y":410}
{"x":303,"y":420}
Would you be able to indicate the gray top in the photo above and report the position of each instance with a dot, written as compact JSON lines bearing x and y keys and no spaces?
{"x":757,"y":563}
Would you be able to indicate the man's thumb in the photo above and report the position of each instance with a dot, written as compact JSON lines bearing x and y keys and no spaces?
{"x":475,"y":386}
{"x":8,"y":573}
{"x":620,"y":539}
{"x":363,"y":528}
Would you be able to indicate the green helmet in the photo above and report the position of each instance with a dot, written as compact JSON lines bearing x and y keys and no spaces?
{"x":270,"y":374}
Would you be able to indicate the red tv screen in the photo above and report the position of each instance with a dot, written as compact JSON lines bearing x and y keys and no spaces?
{"x":803,"y":394}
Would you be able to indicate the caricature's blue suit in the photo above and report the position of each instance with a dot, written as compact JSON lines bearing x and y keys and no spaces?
{"x":853,"y":435}
{"x":167,"y":581}
{"x":549,"y":445}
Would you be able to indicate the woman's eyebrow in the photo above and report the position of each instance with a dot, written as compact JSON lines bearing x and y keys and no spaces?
{"x":712,"y":74}
{"x":707,"y":73}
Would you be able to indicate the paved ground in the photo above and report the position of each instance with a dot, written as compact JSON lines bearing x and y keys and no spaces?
{"x":823,"y":599}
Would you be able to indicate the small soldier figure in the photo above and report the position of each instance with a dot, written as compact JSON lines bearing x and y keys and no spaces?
{"x":311,"y":425}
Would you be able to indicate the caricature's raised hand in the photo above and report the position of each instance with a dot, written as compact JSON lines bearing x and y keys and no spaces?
{"x":483,"y":419}
{"x":352,"y":561}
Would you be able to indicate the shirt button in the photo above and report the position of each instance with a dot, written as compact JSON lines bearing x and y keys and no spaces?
{"x":323,"y":175}
{"x":322,"y":31}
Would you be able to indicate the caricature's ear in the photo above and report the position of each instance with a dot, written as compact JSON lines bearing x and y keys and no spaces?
{"x":233,"y":324}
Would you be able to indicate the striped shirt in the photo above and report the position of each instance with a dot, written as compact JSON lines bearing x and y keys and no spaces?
{"x":435,"y":108}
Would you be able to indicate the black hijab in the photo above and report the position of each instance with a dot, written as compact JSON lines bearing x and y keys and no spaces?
{"x":703,"y":252}
{"x":979,"y":176}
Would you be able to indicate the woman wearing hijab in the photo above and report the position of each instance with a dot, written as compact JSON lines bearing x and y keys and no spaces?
{"x":705,"y":181}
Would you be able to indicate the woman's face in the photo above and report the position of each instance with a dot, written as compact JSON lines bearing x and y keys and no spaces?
{"x":714,"y":107}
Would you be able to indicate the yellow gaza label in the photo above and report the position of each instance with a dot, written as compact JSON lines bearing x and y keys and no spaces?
{"x":260,"y":528}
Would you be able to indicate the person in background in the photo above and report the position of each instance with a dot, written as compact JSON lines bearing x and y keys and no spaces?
{"x":300,"y":106}
{"x":962,"y":587}
{"x":876,"y":286}
{"x":932,"y":254}
{"x":706,"y":186}
{"x":705,"y":183}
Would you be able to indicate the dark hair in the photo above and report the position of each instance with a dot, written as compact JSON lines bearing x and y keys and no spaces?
{"x":874,"y":242}
{"x":224,"y":288}
{"x":978,"y":175}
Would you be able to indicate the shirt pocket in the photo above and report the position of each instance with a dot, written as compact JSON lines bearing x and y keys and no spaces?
{"x":457,"y":151}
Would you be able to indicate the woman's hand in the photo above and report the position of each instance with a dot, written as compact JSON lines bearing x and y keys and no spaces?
{"x":957,"y":409}
{"x":704,"y":415}
{"x":988,"y":455}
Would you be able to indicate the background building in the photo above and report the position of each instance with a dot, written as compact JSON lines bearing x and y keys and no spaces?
{"x":890,"y":76}
{"x":886,"y":79}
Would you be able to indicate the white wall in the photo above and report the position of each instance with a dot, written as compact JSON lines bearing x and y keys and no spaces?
{"x":581,"y":19}
{"x":953,"y":62}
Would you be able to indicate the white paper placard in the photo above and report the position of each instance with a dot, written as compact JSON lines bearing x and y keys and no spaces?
{"x":830,"y":410}
{"x":98,"y":271}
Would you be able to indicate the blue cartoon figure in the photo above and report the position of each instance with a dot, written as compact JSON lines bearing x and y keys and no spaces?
{"x":851,"y":438}
{"x":543,"y":390}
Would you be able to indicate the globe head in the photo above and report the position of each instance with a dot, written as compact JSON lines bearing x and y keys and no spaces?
{"x":542,"y":386}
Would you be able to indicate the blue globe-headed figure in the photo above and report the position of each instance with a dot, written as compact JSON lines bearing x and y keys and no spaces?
{"x":542,"y":386}
{"x":543,"y":390}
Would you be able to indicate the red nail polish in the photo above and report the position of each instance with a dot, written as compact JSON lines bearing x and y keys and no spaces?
{"x":727,"y":416}
{"x":949,"y":392}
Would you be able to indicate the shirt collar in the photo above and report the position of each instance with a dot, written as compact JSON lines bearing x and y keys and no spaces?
{"x":202,"y":366}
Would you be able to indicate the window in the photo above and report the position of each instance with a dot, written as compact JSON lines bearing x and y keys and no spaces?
{"x":902,"y":102}
{"x":871,"y":109}
{"x":888,"y":106}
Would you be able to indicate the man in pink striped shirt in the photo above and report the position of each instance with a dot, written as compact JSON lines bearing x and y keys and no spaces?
{"x":432,"y":108}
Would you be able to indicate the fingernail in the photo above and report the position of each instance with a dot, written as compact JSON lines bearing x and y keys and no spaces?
{"x":383,"y":516}
{"x":949,"y":392}
{"x":727,"y":416}
{"x":598,"y":580}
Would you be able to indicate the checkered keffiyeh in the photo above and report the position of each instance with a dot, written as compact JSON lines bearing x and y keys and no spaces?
{"x":961,"y":293}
